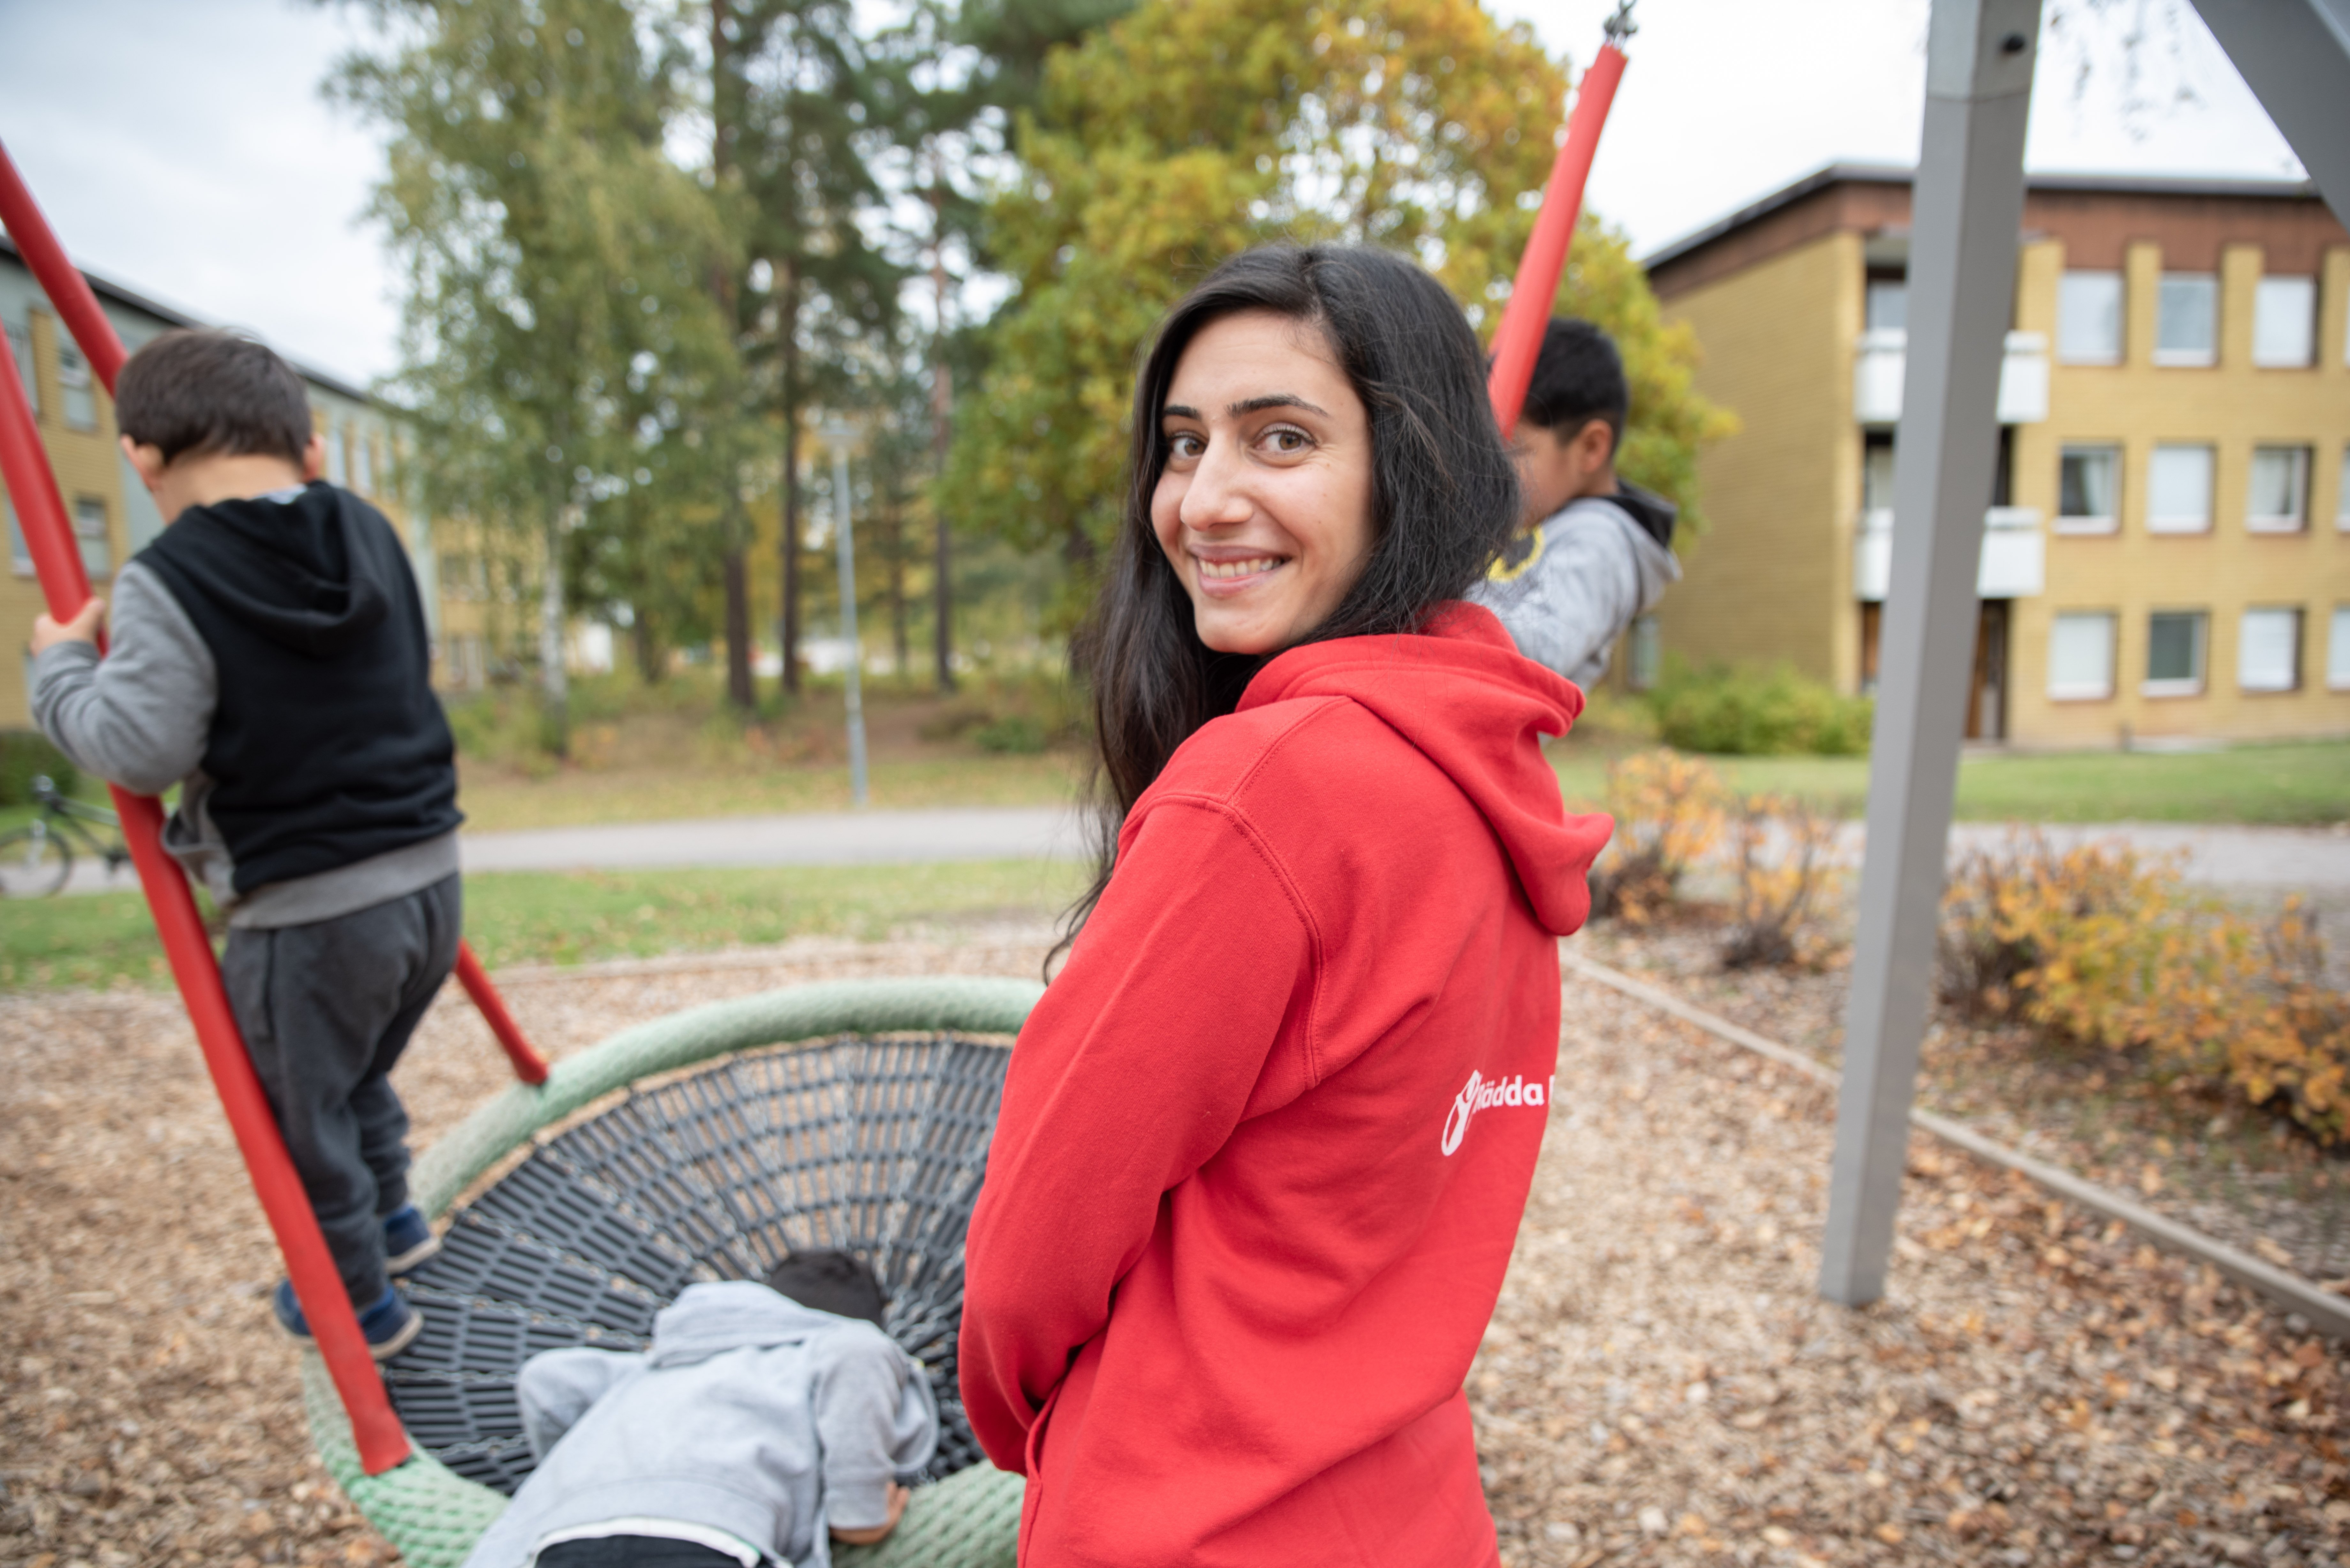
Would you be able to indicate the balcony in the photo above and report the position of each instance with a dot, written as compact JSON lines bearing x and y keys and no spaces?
{"x":1878,"y":364}
{"x":2013,"y":565}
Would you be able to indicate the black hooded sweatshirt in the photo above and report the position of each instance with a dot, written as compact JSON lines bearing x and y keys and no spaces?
{"x":327,"y":746}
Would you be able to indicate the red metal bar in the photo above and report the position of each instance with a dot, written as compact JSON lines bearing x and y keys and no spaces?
{"x":528,"y":1064}
{"x":59,"y":279}
{"x":317,"y":1282}
{"x":1517,"y":342}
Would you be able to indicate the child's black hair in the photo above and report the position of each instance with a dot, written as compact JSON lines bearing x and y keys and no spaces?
{"x":831,"y":1281}
{"x":1578,"y":378}
{"x":209,"y":391}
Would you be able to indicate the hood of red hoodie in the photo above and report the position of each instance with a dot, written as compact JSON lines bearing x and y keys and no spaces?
{"x":1463,"y":695}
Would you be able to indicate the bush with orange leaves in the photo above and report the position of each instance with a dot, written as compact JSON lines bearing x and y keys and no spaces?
{"x":1784,"y":851}
{"x":1669,"y":812}
{"x":2100,"y":946}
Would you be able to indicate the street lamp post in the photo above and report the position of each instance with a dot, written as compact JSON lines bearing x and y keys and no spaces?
{"x":837,"y":434}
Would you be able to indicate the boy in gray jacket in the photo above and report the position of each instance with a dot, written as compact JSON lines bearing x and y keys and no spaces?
{"x":1595,"y":553}
{"x":765,"y":1422}
{"x":270,"y":659}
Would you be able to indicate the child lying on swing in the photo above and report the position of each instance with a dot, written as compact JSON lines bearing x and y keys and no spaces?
{"x":764,"y":1421}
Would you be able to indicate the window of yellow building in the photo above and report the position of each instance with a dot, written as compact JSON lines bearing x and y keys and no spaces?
{"x":362,"y":462}
{"x":2342,"y":494}
{"x":2187,"y":319}
{"x":2174,"y":653}
{"x":2337,"y":650}
{"x":2089,"y":318}
{"x":20,"y":348}
{"x":2179,"y":489}
{"x":335,"y":473}
{"x":2284,"y":323}
{"x":73,"y":382}
{"x":2268,"y":650}
{"x":20,"y":557}
{"x":2080,"y":656}
{"x":89,"y":533}
{"x":2088,"y":489}
{"x":2278,"y":501}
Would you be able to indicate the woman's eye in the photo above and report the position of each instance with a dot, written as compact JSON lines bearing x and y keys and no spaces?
{"x":1287,"y":441}
{"x":1183,"y":443}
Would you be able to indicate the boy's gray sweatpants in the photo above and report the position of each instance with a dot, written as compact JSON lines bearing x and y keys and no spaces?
{"x":326,"y":1008}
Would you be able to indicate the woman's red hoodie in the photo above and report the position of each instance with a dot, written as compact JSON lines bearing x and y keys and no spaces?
{"x":1266,"y":1139}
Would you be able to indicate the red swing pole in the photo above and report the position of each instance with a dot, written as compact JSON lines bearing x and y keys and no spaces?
{"x":77,"y":306}
{"x":1517,"y":342}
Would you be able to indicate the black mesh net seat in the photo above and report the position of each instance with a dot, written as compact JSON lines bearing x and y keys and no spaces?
{"x":703,"y":1146}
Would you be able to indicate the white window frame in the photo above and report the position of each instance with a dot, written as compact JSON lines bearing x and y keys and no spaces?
{"x":97,"y":549}
{"x":2284,"y":323}
{"x":1869,"y":295}
{"x":2187,"y":357}
{"x":2112,"y":453}
{"x":2068,"y":351}
{"x":2342,"y":494}
{"x":2259,"y":614}
{"x":2179,"y":686}
{"x":20,"y":555}
{"x":20,"y":343}
{"x":76,"y":393}
{"x":2160,"y":522}
{"x":337,"y":463}
{"x":2081,"y":691}
{"x":2337,"y":650}
{"x":2298,"y":518}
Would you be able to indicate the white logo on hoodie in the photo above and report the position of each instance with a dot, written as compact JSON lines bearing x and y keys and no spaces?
{"x":1481,"y":1092}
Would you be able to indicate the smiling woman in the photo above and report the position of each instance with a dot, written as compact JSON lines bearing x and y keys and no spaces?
{"x":1264,"y":1142}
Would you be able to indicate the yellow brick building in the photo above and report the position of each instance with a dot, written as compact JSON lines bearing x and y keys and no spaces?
{"x":113,"y":515}
{"x":2167,"y":548}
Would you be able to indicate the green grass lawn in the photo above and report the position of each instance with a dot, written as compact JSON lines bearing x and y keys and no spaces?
{"x":2283,"y":785}
{"x":494,"y":801}
{"x":532,"y":917}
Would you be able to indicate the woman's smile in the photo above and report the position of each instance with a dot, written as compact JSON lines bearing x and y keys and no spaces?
{"x":1263,"y":508}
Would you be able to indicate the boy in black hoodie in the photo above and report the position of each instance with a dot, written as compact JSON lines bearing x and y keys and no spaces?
{"x":269,"y":657}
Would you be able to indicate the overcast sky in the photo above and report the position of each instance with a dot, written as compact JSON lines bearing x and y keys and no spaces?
{"x":183,"y":149}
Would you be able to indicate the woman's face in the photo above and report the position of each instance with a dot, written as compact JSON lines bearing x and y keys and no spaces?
{"x":1264,"y":508}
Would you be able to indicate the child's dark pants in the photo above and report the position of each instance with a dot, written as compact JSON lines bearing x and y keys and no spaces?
{"x":326,"y":1008}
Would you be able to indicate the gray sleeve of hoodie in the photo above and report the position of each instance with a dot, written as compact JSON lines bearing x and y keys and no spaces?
{"x":1598,"y":572}
{"x":556,"y":1386}
{"x":140,"y":716}
{"x":876,"y":1418}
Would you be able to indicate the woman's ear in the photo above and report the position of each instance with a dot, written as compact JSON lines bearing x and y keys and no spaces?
{"x":314,"y":458}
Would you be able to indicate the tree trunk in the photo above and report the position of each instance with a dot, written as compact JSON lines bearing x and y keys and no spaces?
{"x":651,"y":667}
{"x":893,"y":524}
{"x":554,"y":685}
{"x":789,"y":316}
{"x":941,"y":431}
{"x":738,"y":629}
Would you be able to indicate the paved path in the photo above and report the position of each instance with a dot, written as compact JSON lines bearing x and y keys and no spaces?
{"x":2310,"y":860}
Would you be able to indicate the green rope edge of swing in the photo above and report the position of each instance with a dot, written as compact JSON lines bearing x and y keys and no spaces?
{"x":434,"y":1515}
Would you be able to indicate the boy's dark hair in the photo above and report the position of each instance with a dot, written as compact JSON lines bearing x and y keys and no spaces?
{"x":1578,"y":378}
{"x":831,"y":1281}
{"x":208,"y":391}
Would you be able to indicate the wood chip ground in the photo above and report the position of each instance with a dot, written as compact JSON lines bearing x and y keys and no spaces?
{"x":1660,"y":1384}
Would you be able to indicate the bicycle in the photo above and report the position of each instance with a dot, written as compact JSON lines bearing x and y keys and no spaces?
{"x":36,"y":859}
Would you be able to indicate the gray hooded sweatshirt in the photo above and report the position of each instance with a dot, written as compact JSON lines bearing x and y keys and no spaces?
{"x":1569,"y":589}
{"x":751,"y":1414}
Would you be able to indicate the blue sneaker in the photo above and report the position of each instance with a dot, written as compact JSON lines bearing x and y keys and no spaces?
{"x":390,"y":1325}
{"x":408,"y":1240}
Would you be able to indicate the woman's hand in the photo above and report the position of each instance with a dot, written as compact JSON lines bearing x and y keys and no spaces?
{"x":874,"y":1534}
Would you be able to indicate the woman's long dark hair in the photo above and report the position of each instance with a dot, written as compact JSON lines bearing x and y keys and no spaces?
{"x":1444,"y":500}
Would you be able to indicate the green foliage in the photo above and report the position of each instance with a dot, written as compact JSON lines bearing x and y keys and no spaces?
{"x":26,"y":754}
{"x":1016,"y":734}
{"x":1185,"y":132}
{"x":1749,"y":712}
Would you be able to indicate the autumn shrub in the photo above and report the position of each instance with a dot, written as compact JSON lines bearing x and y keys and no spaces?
{"x":1668,"y":813}
{"x":1746,"y":711}
{"x":1786,"y":855}
{"x":2099,"y":946}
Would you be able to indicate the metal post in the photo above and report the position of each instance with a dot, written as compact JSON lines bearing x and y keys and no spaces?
{"x":2296,"y":56}
{"x":842,"y":522}
{"x":1966,"y":212}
